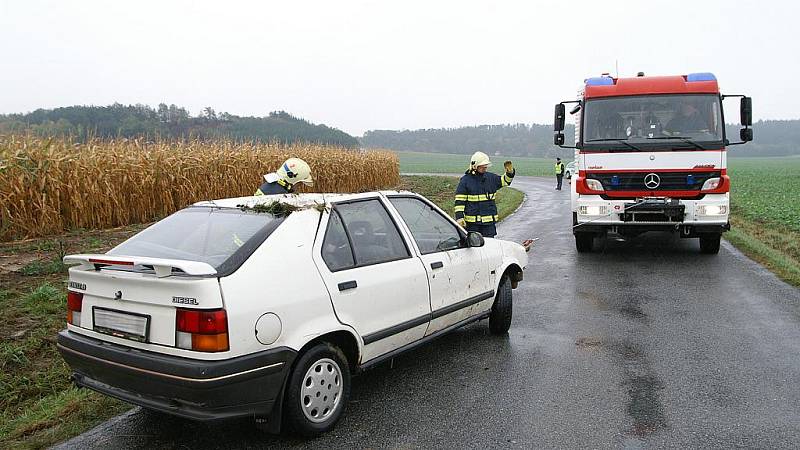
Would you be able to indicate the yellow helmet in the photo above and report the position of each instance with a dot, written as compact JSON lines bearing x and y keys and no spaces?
{"x":479,"y":159}
{"x":294,"y":171}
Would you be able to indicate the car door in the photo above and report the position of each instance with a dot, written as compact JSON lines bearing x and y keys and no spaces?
{"x":457,"y":274}
{"x":375,"y":283}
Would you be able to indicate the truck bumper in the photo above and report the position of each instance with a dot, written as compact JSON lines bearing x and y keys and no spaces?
{"x":195,"y":389}
{"x":691,"y":217}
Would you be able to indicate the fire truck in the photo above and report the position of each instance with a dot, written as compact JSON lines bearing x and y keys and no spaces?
{"x":651,"y":155}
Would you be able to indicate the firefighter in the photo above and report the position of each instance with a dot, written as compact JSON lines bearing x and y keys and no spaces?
{"x":559,"y":173}
{"x":475,"y":207}
{"x":282,"y":181}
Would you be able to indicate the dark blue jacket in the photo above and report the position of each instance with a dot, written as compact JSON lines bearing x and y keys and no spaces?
{"x":475,"y":196}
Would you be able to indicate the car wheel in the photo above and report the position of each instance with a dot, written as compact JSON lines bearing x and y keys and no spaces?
{"x":584,"y":242}
{"x":500,"y":317}
{"x":709,"y":243}
{"x":318,"y":389}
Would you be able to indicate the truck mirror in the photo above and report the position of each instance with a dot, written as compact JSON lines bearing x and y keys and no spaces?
{"x":558,"y":122}
{"x":746,"y":134}
{"x":558,"y":138}
{"x":575,"y":109}
{"x":746,"y":110}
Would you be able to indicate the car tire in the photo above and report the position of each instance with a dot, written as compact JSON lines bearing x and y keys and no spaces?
{"x":502,"y":308}
{"x":584,"y":242}
{"x":317,"y":391}
{"x":709,"y":243}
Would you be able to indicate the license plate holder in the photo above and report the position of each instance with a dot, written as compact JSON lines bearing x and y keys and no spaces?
{"x":122,"y":324}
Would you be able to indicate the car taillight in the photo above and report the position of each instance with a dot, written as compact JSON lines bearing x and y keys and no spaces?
{"x":74,"y":306}
{"x":201,"y":330}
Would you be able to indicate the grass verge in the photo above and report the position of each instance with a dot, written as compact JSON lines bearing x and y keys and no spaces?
{"x":774,"y":246}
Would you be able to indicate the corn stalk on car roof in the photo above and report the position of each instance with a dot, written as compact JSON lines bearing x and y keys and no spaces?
{"x":297,"y":200}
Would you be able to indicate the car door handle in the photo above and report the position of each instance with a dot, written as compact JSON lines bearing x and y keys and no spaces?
{"x":437,"y":265}
{"x":348,"y":285}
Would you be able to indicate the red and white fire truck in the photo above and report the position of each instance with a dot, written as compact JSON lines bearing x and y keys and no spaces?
{"x":650,"y":155}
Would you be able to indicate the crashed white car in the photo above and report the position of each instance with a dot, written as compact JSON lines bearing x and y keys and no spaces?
{"x":264,"y":306}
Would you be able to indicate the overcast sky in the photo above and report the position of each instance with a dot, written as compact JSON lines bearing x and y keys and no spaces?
{"x":361,"y":65}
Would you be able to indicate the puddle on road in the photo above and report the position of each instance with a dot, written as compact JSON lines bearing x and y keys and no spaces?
{"x":643,"y":387}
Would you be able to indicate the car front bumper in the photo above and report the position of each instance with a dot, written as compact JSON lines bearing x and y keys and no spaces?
{"x":195,"y":389}
{"x":695,"y":213}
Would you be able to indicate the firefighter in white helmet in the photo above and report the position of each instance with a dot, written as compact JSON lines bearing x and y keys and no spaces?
{"x":474,"y":206}
{"x":282,"y":181}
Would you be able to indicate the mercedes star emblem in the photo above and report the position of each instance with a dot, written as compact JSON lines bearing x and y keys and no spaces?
{"x":651,"y":181}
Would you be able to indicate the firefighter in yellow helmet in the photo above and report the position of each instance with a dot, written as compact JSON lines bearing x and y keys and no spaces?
{"x":282,"y":181}
{"x":475,"y":207}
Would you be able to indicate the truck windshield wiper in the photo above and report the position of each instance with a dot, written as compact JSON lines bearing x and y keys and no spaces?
{"x":682,"y":138}
{"x":621,"y":141}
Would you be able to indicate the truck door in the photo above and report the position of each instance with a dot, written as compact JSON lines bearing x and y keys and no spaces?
{"x":376,"y":286}
{"x":457,"y":275}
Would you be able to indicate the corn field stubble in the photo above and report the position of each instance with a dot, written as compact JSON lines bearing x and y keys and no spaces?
{"x":48,"y":186}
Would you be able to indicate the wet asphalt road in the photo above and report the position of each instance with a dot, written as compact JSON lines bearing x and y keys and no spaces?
{"x":641,"y":344}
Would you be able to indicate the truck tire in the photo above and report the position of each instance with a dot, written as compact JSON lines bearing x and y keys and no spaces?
{"x":709,"y":243}
{"x":500,"y":317}
{"x":584,"y":242}
{"x":317,"y":391}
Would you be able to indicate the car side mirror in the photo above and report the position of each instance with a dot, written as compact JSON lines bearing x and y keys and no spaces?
{"x":746,"y":134}
{"x":475,"y":239}
{"x":746,"y":111}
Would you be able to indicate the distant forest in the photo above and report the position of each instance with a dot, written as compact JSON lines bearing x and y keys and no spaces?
{"x":772,"y":138}
{"x":170,"y":122}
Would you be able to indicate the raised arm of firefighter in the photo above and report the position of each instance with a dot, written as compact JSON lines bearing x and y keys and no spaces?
{"x":507,"y":177}
{"x":461,"y":202}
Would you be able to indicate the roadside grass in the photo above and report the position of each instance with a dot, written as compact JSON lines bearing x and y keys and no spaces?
{"x":765,"y":213}
{"x":39,"y":405}
{"x":414,"y":162}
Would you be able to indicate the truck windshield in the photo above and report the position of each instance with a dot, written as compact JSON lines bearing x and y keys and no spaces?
{"x":222,"y":237}
{"x":689,"y":121}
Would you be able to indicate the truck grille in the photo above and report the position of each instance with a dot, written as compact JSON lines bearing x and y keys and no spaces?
{"x":668,"y":181}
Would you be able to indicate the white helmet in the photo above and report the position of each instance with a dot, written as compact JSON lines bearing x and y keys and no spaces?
{"x":479,"y":159}
{"x":294,"y":171}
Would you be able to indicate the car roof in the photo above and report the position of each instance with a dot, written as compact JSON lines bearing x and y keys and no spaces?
{"x":298,"y":200}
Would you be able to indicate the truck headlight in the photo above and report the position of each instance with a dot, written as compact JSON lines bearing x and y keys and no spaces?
{"x":712,"y":210}
{"x":593,"y":210}
{"x":711,"y":184}
{"x":594,"y":185}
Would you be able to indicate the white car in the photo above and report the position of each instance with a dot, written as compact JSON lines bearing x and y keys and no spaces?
{"x":264,"y":306}
{"x":569,"y":170}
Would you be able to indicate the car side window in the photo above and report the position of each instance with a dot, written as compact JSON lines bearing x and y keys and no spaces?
{"x":431,"y":230}
{"x":336,"y":251}
{"x":374,"y":236}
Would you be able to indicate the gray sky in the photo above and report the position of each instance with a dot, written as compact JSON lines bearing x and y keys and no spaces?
{"x":360,"y":65}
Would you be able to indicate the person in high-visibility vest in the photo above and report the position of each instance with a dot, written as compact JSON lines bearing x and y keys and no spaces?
{"x":559,"y":173}
{"x":474,"y":206}
{"x":282,"y":181}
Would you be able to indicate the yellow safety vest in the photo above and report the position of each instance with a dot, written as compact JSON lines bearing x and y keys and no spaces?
{"x":559,"y":168}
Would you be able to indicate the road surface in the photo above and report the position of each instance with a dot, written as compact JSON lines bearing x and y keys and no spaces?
{"x":641,"y":344}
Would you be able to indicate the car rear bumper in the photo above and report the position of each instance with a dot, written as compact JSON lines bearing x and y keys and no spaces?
{"x":195,"y":389}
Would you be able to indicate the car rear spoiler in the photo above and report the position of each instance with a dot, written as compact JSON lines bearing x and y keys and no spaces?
{"x":162,"y":267}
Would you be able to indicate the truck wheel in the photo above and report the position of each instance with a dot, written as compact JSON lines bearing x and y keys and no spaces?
{"x":709,"y":243}
{"x":584,"y":242}
{"x":318,"y":390}
{"x":500,"y":317}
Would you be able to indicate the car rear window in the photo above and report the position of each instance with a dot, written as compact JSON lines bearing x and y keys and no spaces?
{"x":222,"y":237}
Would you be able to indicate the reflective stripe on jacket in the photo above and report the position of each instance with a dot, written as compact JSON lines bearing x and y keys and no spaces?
{"x":475,"y":195}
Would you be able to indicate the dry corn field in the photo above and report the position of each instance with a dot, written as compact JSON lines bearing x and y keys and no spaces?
{"x":49,"y":186}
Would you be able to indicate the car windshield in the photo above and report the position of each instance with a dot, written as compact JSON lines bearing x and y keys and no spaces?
{"x":221,"y":237}
{"x":642,"y":122}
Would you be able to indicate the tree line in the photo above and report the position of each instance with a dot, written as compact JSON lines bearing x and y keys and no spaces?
{"x":772,"y":138}
{"x":170,"y":122}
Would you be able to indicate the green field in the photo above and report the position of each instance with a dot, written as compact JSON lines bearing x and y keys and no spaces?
{"x":765,"y":212}
{"x":412,"y":162}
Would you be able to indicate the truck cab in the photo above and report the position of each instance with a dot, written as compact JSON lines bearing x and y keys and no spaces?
{"x":651,"y":156}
